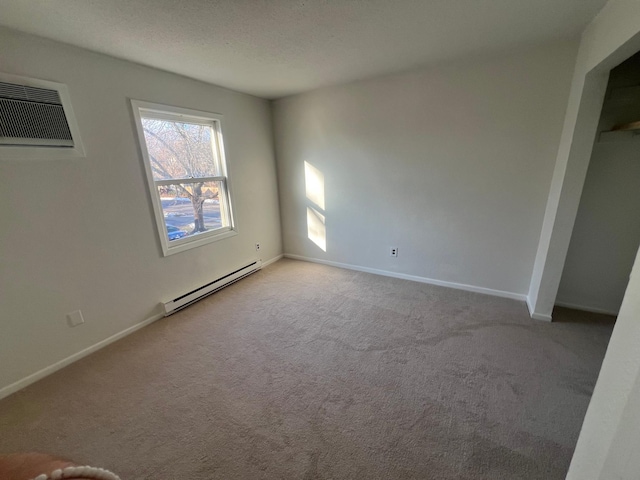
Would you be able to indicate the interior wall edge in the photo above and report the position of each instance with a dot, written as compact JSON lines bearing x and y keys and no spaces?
{"x":46,"y":371}
{"x":536,"y":315}
{"x":266,"y":263}
{"x":431,"y":281}
{"x":586,"y":308}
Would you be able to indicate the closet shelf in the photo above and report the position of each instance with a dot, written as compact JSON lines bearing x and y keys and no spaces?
{"x":624,"y":132}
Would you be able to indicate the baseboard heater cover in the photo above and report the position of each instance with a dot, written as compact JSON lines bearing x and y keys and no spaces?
{"x":199,"y":293}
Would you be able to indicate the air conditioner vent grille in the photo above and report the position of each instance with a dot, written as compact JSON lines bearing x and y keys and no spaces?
{"x":33,"y":94}
{"x":37,"y":120}
{"x":20,"y":119}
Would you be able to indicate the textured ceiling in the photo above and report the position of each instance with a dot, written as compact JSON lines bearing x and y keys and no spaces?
{"x":273,"y":48}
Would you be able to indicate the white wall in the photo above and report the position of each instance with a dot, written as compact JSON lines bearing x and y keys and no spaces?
{"x":80,"y":234}
{"x":606,"y":234}
{"x":451,"y":164}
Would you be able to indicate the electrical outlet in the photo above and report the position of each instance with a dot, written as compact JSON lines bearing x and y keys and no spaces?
{"x":393,"y":251}
{"x":75,"y":318}
{"x":257,"y":246}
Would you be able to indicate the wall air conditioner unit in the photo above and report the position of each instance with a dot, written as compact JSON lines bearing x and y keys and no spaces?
{"x":199,"y":293}
{"x":36,"y":119}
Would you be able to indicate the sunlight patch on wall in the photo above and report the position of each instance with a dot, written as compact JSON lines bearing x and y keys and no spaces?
{"x":316,"y":229}
{"x":314,"y":189}
{"x":314,"y":184}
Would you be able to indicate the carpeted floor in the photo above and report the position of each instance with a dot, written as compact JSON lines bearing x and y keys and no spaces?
{"x":303,"y":371}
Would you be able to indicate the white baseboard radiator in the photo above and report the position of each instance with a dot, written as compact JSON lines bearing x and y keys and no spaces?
{"x":199,"y":293}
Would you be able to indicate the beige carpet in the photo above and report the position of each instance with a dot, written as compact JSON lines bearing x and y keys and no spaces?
{"x":304,"y":371}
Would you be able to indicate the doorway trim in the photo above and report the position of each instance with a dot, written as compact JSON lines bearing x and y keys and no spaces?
{"x":609,"y":40}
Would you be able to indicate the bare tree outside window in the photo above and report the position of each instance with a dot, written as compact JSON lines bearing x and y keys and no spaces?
{"x":184,"y":151}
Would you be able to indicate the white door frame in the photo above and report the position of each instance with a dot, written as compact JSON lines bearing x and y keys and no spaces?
{"x":579,"y":132}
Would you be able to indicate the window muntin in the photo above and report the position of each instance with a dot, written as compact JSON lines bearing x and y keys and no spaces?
{"x":186,"y":170}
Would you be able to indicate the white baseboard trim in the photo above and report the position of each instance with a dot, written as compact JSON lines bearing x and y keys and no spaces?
{"x":34,"y":377}
{"x":415,"y":278}
{"x":587,"y":309}
{"x":273,"y":260}
{"x":537,"y":316}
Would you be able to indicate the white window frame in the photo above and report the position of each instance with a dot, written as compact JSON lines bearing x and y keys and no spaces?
{"x":143,"y":109}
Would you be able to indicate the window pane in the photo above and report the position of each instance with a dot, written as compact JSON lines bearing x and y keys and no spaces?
{"x":192,"y":208}
{"x":180,"y":150}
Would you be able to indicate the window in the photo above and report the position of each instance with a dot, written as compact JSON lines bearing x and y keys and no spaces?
{"x":184,"y":159}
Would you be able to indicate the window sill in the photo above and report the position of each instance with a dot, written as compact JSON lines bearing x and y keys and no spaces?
{"x":195,"y":242}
